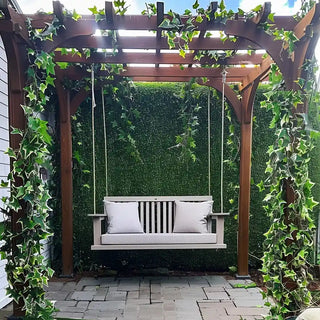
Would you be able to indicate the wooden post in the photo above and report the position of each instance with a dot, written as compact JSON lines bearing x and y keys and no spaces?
{"x":244,"y":199}
{"x":247,"y":101}
{"x":66,"y":179}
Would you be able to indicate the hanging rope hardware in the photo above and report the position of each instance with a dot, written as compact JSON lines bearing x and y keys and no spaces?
{"x":93,"y":105}
{"x":224,"y":80}
{"x":105,"y":140}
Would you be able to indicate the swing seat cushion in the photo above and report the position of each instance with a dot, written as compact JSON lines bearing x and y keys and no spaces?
{"x":123,"y":217}
{"x":158,"y":238}
{"x":191,"y":217}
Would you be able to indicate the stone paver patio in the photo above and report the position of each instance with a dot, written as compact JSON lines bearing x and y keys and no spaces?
{"x":153,"y":298}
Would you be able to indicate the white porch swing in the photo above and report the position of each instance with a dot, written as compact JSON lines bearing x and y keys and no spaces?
{"x":158,"y":222}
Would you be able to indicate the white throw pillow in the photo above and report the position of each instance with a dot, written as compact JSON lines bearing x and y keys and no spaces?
{"x":192,"y":216}
{"x":123,"y":217}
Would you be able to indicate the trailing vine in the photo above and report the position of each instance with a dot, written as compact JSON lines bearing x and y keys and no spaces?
{"x":121,"y":95}
{"x":288,"y":242}
{"x":233,"y":161}
{"x":189,"y":108}
{"x":27,"y":271}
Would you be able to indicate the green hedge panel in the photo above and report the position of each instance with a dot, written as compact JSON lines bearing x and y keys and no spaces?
{"x":163,"y":173}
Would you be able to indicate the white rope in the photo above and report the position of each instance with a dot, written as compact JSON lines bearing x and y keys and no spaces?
{"x":209,"y":144}
{"x":93,"y":105}
{"x":224,"y":78}
{"x":105,"y":139}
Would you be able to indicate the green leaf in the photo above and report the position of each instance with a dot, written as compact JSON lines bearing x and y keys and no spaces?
{"x":17,"y":131}
{"x":199,"y":19}
{"x":76,"y":16}
{"x":182,"y":53}
{"x":94,"y":10}
{"x":271,"y":17}
{"x":63,"y":65}
{"x":195,"y":5}
{"x":257,"y":8}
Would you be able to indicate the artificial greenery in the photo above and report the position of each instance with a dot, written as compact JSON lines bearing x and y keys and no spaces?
{"x":27,"y":271}
{"x":188,"y":111}
{"x":163,"y":173}
{"x":122,"y":97}
{"x":289,"y":240}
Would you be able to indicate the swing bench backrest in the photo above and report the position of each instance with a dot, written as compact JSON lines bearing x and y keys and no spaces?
{"x":157,"y":218}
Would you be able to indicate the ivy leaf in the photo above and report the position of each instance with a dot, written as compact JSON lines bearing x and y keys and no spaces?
{"x":240,"y":12}
{"x":195,"y":5}
{"x":50,"y":81}
{"x":43,"y":87}
{"x":11,"y":153}
{"x":257,"y":8}
{"x":182,"y":53}
{"x":63,"y":65}
{"x":271,"y":17}
{"x":32,"y":96}
{"x":4,"y":184}
{"x":260,"y":185}
{"x":94,"y":10}
{"x":17,"y":131}
{"x":199,"y":19}
{"x":165,"y":24}
{"x":76,"y":16}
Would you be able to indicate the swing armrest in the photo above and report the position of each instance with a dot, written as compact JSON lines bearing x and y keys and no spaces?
{"x":219,"y":217}
{"x":213,"y":215}
{"x":97,"y":218}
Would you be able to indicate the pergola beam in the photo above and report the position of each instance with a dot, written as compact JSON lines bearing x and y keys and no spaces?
{"x":153,"y":58}
{"x":138,"y":22}
{"x":234,"y":74}
{"x":147,"y":43}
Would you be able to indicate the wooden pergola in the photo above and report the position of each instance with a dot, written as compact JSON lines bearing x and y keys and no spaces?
{"x":134,"y":51}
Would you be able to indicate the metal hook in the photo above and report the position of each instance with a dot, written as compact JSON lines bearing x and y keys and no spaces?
{"x":224,"y":75}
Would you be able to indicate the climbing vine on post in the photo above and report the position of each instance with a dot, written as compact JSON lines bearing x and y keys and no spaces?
{"x":289,"y":240}
{"x":27,"y":270}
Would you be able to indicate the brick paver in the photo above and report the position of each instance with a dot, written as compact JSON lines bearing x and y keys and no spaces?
{"x":157,"y":298}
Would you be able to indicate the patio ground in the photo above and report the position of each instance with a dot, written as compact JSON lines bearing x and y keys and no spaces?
{"x":167,"y":298}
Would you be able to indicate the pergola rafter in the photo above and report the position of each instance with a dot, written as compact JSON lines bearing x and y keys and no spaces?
{"x":157,"y":63}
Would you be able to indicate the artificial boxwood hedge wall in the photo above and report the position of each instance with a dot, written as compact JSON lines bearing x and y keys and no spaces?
{"x":161,"y":172}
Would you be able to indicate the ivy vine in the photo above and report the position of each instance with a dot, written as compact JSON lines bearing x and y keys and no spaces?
{"x":188,"y":110}
{"x":289,"y":240}
{"x":121,"y":95}
{"x":27,"y":271}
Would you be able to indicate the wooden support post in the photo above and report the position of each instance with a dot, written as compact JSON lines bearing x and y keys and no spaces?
{"x":244,"y":199}
{"x":247,"y":101}
{"x":66,"y":180}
